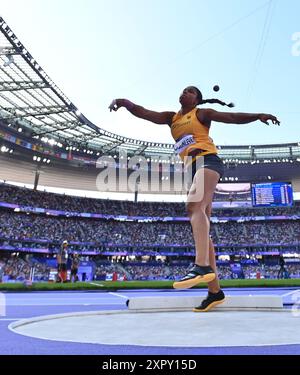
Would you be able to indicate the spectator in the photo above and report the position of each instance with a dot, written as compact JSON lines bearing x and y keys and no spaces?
{"x":62,"y":259}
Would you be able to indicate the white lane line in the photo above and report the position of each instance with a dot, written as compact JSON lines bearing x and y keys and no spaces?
{"x":118,"y":295}
{"x":69,"y":304}
{"x":96,"y":284}
{"x":11,"y":319}
{"x":35,"y":301}
{"x":288,"y":294}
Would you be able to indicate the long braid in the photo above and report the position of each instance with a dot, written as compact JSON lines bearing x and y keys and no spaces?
{"x":211,"y":101}
{"x":216,"y":101}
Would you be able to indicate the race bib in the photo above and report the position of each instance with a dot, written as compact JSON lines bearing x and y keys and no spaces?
{"x":183,"y":143}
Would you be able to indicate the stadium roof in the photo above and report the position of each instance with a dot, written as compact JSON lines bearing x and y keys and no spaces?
{"x":29,"y":98}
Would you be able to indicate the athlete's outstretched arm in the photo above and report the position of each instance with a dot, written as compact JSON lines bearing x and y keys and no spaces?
{"x":141,"y":112}
{"x":238,"y":118}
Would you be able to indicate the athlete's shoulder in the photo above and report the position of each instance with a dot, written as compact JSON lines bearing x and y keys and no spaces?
{"x":174,"y":117}
{"x":202,"y":116}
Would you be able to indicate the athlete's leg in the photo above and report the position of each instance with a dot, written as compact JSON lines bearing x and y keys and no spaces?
{"x":213,"y":286}
{"x":199,"y":198}
{"x":197,"y":211}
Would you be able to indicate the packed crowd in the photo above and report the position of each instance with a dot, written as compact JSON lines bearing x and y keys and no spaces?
{"x":13,"y":268}
{"x":28,"y":230}
{"x":27,"y":197}
{"x":23,"y":226}
{"x":17,"y":269}
{"x":165,"y":272}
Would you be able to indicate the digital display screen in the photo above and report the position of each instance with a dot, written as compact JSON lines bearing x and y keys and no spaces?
{"x":272,"y":194}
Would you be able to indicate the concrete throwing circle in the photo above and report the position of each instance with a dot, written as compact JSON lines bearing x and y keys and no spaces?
{"x":171,"y":329}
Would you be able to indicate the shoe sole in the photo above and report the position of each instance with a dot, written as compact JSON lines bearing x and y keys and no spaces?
{"x":192,"y":282}
{"x":213,"y":304}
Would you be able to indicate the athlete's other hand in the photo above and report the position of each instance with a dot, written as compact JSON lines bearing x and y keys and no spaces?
{"x":265,"y":118}
{"x":115,"y":105}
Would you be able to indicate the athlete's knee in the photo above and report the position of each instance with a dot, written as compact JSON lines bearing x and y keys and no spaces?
{"x":208,"y":210}
{"x":196,"y":207}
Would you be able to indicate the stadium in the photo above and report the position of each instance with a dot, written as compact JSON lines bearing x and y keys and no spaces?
{"x":132,"y":237}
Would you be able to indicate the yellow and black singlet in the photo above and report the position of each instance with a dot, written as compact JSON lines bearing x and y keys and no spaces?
{"x":191,"y":137}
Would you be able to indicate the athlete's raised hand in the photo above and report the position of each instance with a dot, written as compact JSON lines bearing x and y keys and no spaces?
{"x":118,"y":103}
{"x":265,"y":118}
{"x":115,"y":105}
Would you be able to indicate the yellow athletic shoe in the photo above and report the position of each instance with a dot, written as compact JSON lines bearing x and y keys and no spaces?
{"x":196,"y":275}
{"x":212,"y":300}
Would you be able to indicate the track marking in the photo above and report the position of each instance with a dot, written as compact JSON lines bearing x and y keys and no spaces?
{"x":118,"y":295}
{"x":11,"y":319}
{"x":288,"y":294}
{"x":70,"y":304}
{"x":96,"y":284}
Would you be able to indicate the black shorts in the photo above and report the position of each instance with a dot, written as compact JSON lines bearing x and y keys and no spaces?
{"x":74,"y":271}
{"x":62,"y":267}
{"x":211,"y":161}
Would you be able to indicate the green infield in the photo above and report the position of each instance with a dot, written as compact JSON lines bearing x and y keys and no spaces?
{"x":117,"y":285}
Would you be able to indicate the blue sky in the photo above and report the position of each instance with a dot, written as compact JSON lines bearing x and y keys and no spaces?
{"x":148,"y":51}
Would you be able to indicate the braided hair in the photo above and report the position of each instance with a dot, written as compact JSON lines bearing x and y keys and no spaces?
{"x":211,"y":101}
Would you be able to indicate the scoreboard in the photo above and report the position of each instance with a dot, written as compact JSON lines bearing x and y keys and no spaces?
{"x":272,"y":194}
